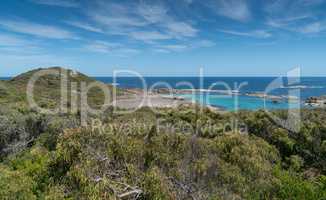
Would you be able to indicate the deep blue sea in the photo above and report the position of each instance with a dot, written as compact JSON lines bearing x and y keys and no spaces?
{"x":303,"y":88}
{"x":4,"y":78}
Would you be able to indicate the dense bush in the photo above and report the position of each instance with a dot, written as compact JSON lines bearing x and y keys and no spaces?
{"x":15,"y":185}
{"x":132,"y":157}
{"x":82,"y":164}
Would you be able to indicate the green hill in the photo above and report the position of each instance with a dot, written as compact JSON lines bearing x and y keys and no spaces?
{"x":51,"y":80}
{"x":47,"y":88}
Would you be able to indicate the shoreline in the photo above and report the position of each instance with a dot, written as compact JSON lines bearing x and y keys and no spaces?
{"x":164,"y":98}
{"x":136,"y":98}
{"x":228,"y":92}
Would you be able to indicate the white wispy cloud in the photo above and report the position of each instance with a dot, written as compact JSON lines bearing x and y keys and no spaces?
{"x":158,"y":14}
{"x":161,"y":50}
{"x":21,"y":50}
{"x":141,"y":21}
{"x":153,"y":13}
{"x":304,"y":27}
{"x":184,"y":47}
{"x":315,"y":27}
{"x":85,"y":26}
{"x":46,"y":31}
{"x":287,"y":22}
{"x":11,"y":40}
{"x":174,"y":47}
{"x":149,"y":35}
{"x":291,"y":8}
{"x":124,"y":51}
{"x":102,"y":46}
{"x":255,"y":34}
{"x":298,"y":16}
{"x":21,"y":62}
{"x":311,"y":2}
{"x":60,"y":3}
{"x":286,"y":10}
{"x":114,"y":49}
{"x":115,"y":15}
{"x":11,"y":44}
{"x":203,"y":44}
{"x":25,"y":50}
{"x":276,"y":23}
{"x":181,"y":29}
{"x":233,"y":9}
{"x":118,"y":21}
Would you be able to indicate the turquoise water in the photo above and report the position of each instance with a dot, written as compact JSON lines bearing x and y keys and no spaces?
{"x":307,"y":86}
{"x":303,"y":88}
{"x":239,"y":102}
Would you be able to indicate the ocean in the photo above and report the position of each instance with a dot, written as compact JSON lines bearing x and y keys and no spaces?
{"x":303,"y":88}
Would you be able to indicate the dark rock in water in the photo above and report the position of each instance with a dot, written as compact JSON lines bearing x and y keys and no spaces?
{"x":316,"y":101}
{"x":312,"y":100}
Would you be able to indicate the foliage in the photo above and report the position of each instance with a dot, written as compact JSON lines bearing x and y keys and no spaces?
{"x":52,"y":157}
{"x":15,"y":185}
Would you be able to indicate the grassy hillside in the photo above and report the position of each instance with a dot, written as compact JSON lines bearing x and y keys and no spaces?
{"x":47,"y":90}
{"x":9,"y":93}
{"x":50,"y":80}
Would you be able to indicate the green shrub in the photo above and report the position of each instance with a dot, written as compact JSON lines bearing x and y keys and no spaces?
{"x":15,"y":185}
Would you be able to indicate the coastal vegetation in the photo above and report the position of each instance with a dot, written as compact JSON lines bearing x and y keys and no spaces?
{"x":246,"y":155}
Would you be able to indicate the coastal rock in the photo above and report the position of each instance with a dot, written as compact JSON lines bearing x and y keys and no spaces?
{"x":316,"y":101}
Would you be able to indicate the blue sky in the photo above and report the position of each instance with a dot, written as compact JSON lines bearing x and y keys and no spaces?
{"x":164,"y":37}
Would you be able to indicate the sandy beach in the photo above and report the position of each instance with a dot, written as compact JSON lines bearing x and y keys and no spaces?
{"x":150,"y":100}
{"x":137,"y":99}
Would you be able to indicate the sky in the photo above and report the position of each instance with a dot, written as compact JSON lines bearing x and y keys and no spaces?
{"x":164,"y":37}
